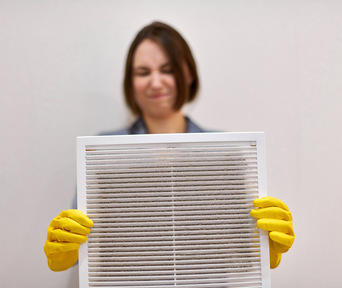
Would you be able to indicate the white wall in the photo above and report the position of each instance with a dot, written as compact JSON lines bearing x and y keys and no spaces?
{"x":272,"y":66}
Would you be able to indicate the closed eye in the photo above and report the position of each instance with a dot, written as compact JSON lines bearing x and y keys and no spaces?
{"x":167,"y":68}
{"x":141,"y":71}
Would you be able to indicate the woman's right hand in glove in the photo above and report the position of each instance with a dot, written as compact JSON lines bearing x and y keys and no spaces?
{"x":65,"y":234}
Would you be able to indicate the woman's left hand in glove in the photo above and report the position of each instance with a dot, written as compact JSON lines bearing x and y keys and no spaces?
{"x":273,"y":215}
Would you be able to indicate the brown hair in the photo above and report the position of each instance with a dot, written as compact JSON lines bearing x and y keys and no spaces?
{"x":179,"y":54}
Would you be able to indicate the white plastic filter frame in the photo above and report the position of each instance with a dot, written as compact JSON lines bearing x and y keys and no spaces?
{"x":155,"y":227}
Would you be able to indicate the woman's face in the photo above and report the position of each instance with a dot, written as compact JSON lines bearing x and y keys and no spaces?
{"x":154,"y":83}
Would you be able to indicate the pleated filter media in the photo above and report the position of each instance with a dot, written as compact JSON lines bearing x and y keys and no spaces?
{"x":172,"y":210}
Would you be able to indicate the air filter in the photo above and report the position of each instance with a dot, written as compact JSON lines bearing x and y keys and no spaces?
{"x":172,"y":210}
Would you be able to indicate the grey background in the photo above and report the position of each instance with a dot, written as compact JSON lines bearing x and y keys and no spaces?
{"x":272,"y":66}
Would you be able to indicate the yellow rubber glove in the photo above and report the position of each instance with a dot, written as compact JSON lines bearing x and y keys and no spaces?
{"x":274,"y":216}
{"x":65,"y":234}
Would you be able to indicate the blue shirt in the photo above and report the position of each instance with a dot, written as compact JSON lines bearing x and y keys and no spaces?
{"x":139,"y":127}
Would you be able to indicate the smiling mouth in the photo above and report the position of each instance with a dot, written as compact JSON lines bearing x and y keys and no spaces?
{"x":158,"y":95}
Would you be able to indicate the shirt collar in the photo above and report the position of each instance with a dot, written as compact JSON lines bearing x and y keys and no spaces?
{"x":139,"y":127}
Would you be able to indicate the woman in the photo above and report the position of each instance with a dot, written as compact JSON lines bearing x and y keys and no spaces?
{"x":160,"y":77}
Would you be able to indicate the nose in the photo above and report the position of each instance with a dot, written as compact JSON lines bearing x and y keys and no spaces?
{"x":156,"y":80}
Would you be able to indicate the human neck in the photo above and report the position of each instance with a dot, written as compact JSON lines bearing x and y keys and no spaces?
{"x":175,"y":123}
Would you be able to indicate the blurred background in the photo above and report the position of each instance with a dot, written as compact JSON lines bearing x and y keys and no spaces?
{"x":272,"y":66}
